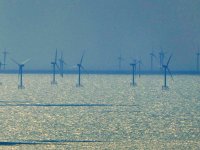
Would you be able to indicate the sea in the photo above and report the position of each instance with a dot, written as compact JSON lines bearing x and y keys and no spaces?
{"x":106,"y":112}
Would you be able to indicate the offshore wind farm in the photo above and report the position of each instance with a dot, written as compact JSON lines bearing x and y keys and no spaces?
{"x":104,"y":111}
{"x":103,"y":74}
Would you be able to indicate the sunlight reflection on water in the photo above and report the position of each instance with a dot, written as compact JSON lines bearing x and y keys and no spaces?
{"x":106,"y":112}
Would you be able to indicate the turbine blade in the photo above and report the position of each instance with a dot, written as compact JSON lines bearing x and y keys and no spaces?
{"x":82,"y":67}
{"x":58,"y":67}
{"x":60,"y":71}
{"x":170,"y":73}
{"x":61,"y":55}
{"x":82,"y":58}
{"x":56,"y":56}
{"x":64,"y":63}
{"x":154,"y":55}
{"x":24,"y":62}
{"x":169,"y":60}
{"x":14,"y":61}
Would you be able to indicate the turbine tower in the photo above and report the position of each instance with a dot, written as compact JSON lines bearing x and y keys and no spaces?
{"x":166,"y":69}
{"x":133,"y":65}
{"x":62,"y":63}
{"x":152,"y":58}
{"x":54,"y":64}
{"x":79,"y":71}
{"x":198,"y":54}
{"x":20,"y":65}
{"x":4,"y":58}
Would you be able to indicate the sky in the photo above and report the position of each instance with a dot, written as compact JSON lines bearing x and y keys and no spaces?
{"x":104,"y":29}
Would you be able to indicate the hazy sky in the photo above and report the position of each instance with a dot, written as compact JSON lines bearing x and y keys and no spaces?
{"x":104,"y":28}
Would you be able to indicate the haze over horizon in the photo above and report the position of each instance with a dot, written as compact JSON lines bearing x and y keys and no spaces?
{"x":103,"y":28}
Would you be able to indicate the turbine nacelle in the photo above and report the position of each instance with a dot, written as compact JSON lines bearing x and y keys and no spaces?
{"x":21,"y":65}
{"x":152,"y":54}
{"x":133,"y":64}
{"x":164,"y":66}
{"x":80,"y":66}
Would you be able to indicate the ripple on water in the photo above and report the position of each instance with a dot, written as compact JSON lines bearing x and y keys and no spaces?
{"x":105,"y":109}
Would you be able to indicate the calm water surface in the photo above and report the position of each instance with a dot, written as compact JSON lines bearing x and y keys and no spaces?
{"x":106,"y":113}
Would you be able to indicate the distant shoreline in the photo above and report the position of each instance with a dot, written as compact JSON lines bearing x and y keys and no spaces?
{"x":125,"y":72}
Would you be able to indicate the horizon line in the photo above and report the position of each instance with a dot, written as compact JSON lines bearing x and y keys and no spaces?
{"x":147,"y":72}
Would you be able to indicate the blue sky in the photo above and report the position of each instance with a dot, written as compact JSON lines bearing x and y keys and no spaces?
{"x":104,"y":28}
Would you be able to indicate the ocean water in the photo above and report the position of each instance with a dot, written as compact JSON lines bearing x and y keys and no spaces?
{"x":106,"y":113}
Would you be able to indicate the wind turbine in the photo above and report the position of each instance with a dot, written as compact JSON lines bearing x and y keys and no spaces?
{"x":62,"y":63}
{"x":120,"y":59}
{"x":79,"y":70}
{"x":20,"y":65}
{"x":166,"y":68}
{"x":4,"y":58}
{"x":198,"y":54}
{"x":133,"y":65}
{"x":54,"y":64}
{"x":152,"y":56}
